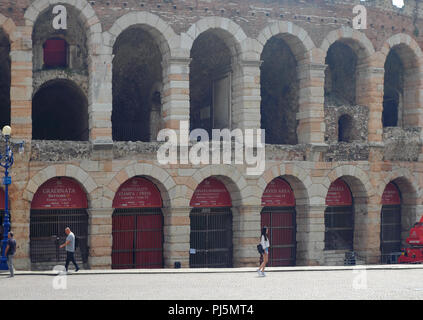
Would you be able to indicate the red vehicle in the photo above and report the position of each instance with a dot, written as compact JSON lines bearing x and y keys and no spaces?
{"x":414,"y":254}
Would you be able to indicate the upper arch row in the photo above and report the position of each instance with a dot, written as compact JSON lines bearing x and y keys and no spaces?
{"x":179,"y":46}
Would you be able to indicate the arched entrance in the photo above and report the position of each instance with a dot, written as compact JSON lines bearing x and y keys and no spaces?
{"x":390,"y":226}
{"x":211,"y":81}
{"x":279,"y":216}
{"x":60,"y":112}
{"x":339,"y":217}
{"x":279,"y":90}
{"x":211,"y":226}
{"x":58,"y":203}
{"x":137,"y":226}
{"x":137,"y":85}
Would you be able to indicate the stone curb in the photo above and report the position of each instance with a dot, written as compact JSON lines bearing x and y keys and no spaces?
{"x":218,"y":270}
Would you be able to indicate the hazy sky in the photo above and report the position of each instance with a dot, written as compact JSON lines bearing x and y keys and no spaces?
{"x":398,"y":3}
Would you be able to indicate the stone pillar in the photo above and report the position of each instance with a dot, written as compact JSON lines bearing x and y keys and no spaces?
{"x":100,"y":238}
{"x":176,"y":231}
{"x":21,"y":84}
{"x":311,"y":235}
{"x":246,"y":235}
{"x":311,"y":115}
{"x":370,"y":82}
{"x":100,"y":99}
{"x":21,"y":123}
{"x":246,"y":95}
{"x":176,"y":105}
{"x":367,"y":232}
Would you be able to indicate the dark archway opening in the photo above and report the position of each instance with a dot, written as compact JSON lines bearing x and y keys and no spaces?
{"x":210,"y":83}
{"x":279,"y":93}
{"x":60,"y":112}
{"x":137,"y":68}
{"x":340,"y":75}
{"x":393,"y":89}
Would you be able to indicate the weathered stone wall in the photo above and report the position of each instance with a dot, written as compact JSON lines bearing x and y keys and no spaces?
{"x":309,"y":29}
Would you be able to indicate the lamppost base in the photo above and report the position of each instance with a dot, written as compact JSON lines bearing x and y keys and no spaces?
{"x":3,"y":264}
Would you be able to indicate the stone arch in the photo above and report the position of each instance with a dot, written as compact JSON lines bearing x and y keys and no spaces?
{"x":88,"y":14}
{"x":406,"y":182}
{"x":297,"y":38}
{"x":68,"y":170}
{"x":160,"y":177}
{"x":357,"y":39}
{"x":297,"y":53}
{"x":364,"y":238}
{"x":215,"y":46}
{"x":157,"y":27}
{"x":410,"y":198}
{"x":234,"y":34}
{"x":361,"y":49}
{"x":8,"y":26}
{"x":159,"y":37}
{"x":240,"y":192}
{"x":296,"y":176}
{"x":410,"y":55}
{"x":362,"y":182}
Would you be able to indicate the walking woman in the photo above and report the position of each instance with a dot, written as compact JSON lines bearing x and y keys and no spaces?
{"x":264,"y":241}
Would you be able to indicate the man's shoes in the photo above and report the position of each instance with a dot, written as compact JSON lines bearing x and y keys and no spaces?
{"x":77,"y":269}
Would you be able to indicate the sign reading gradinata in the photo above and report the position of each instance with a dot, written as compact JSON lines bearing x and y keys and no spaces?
{"x":60,"y":193}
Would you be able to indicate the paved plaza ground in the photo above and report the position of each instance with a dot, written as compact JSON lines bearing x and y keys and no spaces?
{"x":309,"y":283}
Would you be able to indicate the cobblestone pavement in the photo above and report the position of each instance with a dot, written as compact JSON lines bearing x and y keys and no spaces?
{"x":240,"y":285}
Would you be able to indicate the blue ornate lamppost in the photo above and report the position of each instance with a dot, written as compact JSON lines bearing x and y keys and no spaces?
{"x":6,"y":161}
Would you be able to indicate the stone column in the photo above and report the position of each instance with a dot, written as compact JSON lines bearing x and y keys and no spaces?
{"x":246,"y":95}
{"x":100,"y":99}
{"x":21,"y":84}
{"x":176,"y":97}
{"x":311,"y":235}
{"x":176,"y":231}
{"x":21,"y":123}
{"x":246,"y":235}
{"x":100,"y":238}
{"x":311,"y":115}
{"x":367,"y":232}
{"x":370,"y":93}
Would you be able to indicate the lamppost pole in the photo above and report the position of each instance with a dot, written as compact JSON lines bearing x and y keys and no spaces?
{"x":6,"y":161}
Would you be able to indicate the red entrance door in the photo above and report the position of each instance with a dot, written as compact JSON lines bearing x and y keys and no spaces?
{"x":279,"y":216}
{"x":137,"y":226}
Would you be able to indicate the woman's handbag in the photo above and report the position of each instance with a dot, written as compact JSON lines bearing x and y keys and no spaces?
{"x":260,"y":248}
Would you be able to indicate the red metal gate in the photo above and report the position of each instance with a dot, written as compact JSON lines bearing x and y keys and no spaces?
{"x":282,"y":235}
{"x":137,"y":226}
{"x":137,"y":238}
{"x":279,"y":216}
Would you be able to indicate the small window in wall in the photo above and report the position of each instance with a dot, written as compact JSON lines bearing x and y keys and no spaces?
{"x":345,"y":128}
{"x":55,"y":53}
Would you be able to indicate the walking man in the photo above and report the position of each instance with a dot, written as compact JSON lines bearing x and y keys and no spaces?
{"x":70,"y":249}
{"x":10,"y":252}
